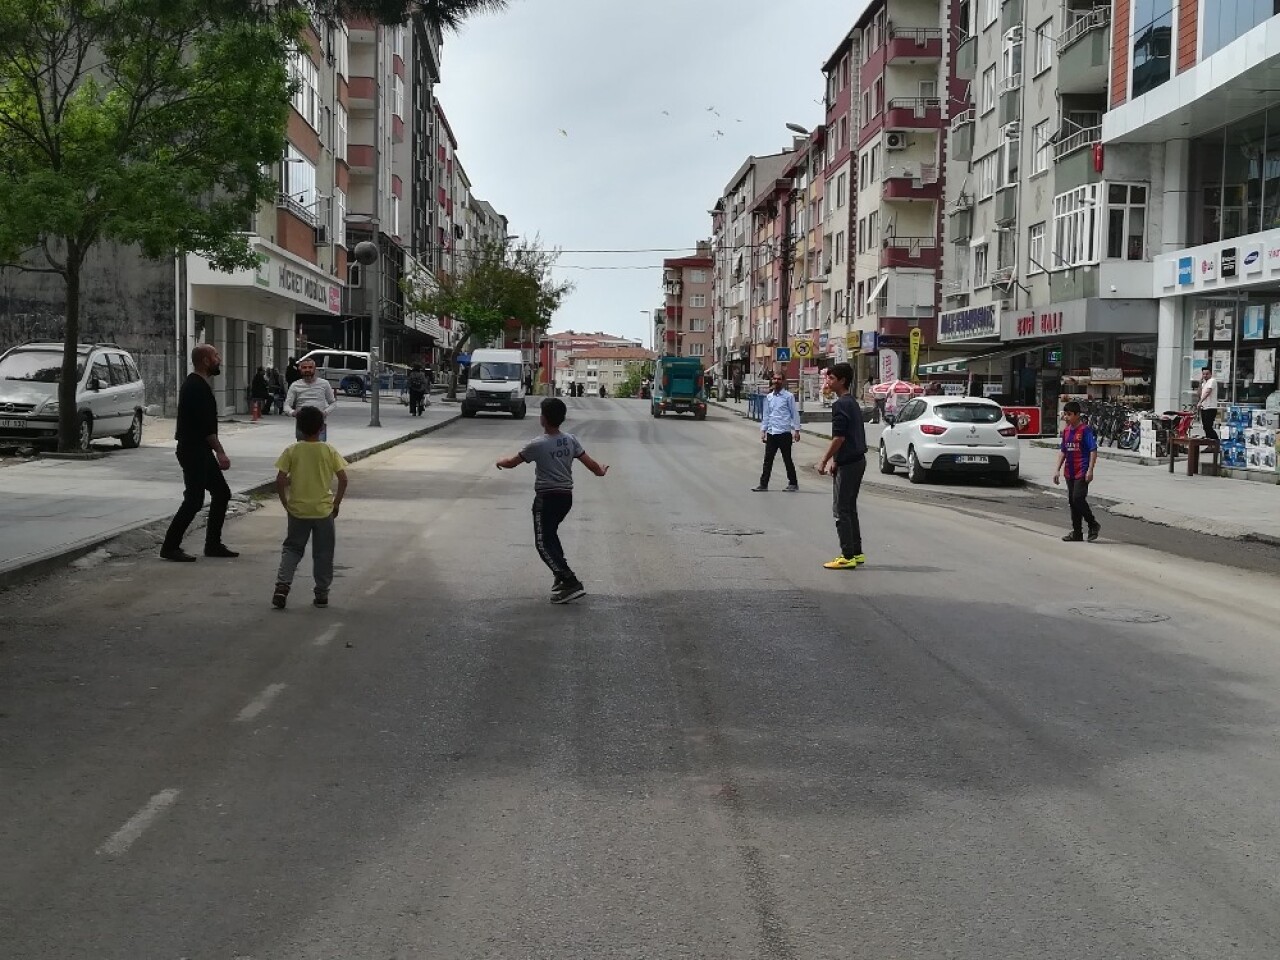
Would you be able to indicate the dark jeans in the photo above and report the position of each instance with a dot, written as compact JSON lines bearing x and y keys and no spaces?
{"x":200,"y":472}
{"x":549,"y":511}
{"x":881,"y":403}
{"x":415,"y":402}
{"x":1078,"y":497}
{"x":323,"y":534}
{"x":844,"y":506}
{"x":772,"y":444}
{"x":1208,"y":419}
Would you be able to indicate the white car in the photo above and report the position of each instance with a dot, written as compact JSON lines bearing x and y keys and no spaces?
{"x":963,"y":435}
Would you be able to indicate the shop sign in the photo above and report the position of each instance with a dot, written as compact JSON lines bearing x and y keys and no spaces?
{"x":1209,"y":266}
{"x":888,"y":366}
{"x":1228,"y":263}
{"x":1252,"y":259}
{"x":1107,"y":375}
{"x":867,"y":342}
{"x":1026,"y":419}
{"x":295,"y":283}
{"x":1273,"y":255}
{"x":853,"y":341}
{"x":1187,"y":270}
{"x":1044,"y":324}
{"x":971,"y":323}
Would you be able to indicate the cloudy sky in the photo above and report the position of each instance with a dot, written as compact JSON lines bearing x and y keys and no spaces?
{"x":558,"y":107}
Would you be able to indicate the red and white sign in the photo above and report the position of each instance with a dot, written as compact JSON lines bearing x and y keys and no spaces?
{"x":1026,"y":419}
{"x":889,"y":366}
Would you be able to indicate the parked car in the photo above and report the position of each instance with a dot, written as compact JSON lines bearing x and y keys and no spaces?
{"x":956,"y":435}
{"x":110,"y":396}
{"x":346,"y":370}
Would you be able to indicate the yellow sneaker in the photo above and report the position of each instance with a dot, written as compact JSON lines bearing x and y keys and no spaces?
{"x":842,"y":563}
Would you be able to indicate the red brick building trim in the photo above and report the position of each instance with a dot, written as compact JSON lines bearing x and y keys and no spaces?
{"x":1188,"y":28}
{"x":1120,"y":53}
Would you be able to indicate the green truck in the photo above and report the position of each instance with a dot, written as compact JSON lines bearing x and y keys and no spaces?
{"x":679,"y":387}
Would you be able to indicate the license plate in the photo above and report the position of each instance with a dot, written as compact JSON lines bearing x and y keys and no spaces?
{"x":972,"y":459}
{"x":13,"y":424}
{"x":493,"y":403}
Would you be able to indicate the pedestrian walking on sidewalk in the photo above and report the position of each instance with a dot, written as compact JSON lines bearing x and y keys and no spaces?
{"x":304,"y":480}
{"x":260,"y":393}
{"x":202,"y":459}
{"x":737,"y":388}
{"x":276,"y":384}
{"x":552,"y":456}
{"x":1077,"y":456}
{"x":310,"y":391}
{"x":291,"y":372}
{"x":1208,"y":403}
{"x":779,"y":428}
{"x":846,"y":461}
{"x":418,"y":386}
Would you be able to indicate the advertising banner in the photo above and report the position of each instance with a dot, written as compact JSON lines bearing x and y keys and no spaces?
{"x":889,"y":366}
{"x":1026,"y":419}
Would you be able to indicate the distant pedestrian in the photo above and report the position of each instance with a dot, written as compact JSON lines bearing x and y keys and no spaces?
{"x":1208,"y":403}
{"x":552,"y":455}
{"x":709,"y":383}
{"x":202,"y":459}
{"x":779,"y":428}
{"x":259,"y":393}
{"x":276,"y":383}
{"x":737,"y":387}
{"x":418,"y":386}
{"x":304,"y":480}
{"x":311,"y":391}
{"x":846,"y":461}
{"x":880,"y":403}
{"x":1077,"y":456}
{"x":291,"y":372}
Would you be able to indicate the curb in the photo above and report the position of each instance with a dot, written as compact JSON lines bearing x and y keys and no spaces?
{"x":64,"y":554}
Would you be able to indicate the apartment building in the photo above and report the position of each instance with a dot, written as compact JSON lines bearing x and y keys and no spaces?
{"x":1049,"y":234}
{"x":1192,"y":83}
{"x":688,"y":287}
{"x":810,"y":281}
{"x":837,"y":204}
{"x":596,"y":367}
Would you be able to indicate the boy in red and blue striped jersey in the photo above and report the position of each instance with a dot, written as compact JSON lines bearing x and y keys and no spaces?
{"x":1077,"y":456}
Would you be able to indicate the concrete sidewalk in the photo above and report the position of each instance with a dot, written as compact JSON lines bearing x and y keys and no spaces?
{"x":53,"y":510}
{"x":1217,"y":506}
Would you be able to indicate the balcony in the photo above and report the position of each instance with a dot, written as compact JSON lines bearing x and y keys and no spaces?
{"x":1010,"y":15}
{"x":921,"y":252}
{"x":361,"y":93}
{"x":966,"y":55}
{"x":914,"y":113}
{"x":360,"y":158}
{"x":1010,"y":105}
{"x":1006,"y":205}
{"x":961,"y":139}
{"x":1073,"y":160}
{"x":1078,"y":140}
{"x":962,"y":225}
{"x":1084,"y":51}
{"x":914,"y":45}
{"x":910,"y":181}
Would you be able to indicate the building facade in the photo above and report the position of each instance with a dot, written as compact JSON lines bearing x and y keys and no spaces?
{"x":688,"y":287}
{"x":596,"y":367}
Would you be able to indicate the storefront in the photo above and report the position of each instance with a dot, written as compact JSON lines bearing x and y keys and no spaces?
{"x":963,"y":336}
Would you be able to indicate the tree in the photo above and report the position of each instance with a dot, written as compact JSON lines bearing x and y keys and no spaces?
{"x":144,"y":122}
{"x":636,"y":372}
{"x":445,"y":15}
{"x":499,"y":284}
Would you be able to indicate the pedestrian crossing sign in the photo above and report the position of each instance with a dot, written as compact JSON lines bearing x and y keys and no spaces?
{"x":802,"y":348}
{"x":784,"y":355}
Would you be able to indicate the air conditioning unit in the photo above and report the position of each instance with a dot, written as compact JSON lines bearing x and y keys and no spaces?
{"x":322,"y":235}
{"x":1006,"y":304}
{"x":1012,"y":130}
{"x":895,"y":140}
{"x":1013,"y":35}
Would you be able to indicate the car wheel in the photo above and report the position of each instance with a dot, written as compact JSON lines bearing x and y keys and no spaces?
{"x":468,"y":412}
{"x":353,"y":388}
{"x":1012,"y":478}
{"x":915,"y":472}
{"x":84,"y":441}
{"x":886,"y":465}
{"x":133,"y":439}
{"x":519,"y":412}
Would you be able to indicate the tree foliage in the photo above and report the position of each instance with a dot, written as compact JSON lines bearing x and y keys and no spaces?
{"x":147,"y":122}
{"x":445,"y":15}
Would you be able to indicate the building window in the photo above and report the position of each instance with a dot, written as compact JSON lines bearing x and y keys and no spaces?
{"x":866,"y":118}
{"x":1126,"y":221}
{"x":340,"y":133}
{"x":341,"y":53}
{"x":1009,"y":154}
{"x":988,"y":10}
{"x":987,"y":91}
{"x":397,"y":97}
{"x":306,"y":99}
{"x":697,"y":300}
{"x":877,"y":95}
{"x":397,"y":40}
{"x":339,"y":217}
{"x":1153,"y":39}
{"x":859,"y":298}
{"x":873,"y":226}
{"x":698,"y":325}
{"x":298,"y":183}
{"x":1035,"y":248}
{"x":1224,"y":22}
{"x":1011,"y":63}
{"x":1042,"y":49}
{"x":394,"y":225}
{"x":1075,"y":227}
{"x":840,"y":247}
{"x":838,"y":304}
{"x":696,"y":349}
{"x":1041,"y":148}
{"x":980,"y":265}
{"x":988,"y":174}
{"x":841,"y":184}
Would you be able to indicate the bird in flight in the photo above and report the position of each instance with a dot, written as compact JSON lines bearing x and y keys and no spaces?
{"x":564,"y":133}
{"x":666,"y":113}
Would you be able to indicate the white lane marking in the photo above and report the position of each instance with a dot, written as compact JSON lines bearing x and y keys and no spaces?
{"x":328,"y":636}
{"x":375,"y":588}
{"x":123,"y":839}
{"x":260,"y":703}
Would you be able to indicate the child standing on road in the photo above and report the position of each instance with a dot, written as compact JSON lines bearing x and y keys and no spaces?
{"x":1076,"y":459}
{"x":304,"y":483}
{"x":552,"y":455}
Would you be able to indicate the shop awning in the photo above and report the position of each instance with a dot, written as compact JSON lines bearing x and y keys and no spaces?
{"x":955,"y":365}
{"x":967,"y":364}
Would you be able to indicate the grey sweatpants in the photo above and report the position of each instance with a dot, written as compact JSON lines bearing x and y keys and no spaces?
{"x":301,"y":530}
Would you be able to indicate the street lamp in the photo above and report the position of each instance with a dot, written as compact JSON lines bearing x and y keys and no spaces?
{"x":796,"y":128}
{"x":368,"y":255}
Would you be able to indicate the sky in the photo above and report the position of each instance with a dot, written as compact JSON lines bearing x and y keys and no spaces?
{"x":586,"y":123}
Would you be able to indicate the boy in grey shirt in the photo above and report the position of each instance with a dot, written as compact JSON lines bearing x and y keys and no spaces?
{"x":552,"y":455}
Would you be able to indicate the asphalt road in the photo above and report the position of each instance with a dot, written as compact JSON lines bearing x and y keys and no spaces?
{"x":984,"y":744}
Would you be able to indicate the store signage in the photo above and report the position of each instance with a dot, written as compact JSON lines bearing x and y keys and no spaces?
{"x":1026,"y":419}
{"x":888,"y":366}
{"x":1252,"y":259}
{"x":315,"y":290}
{"x":1209,"y":266}
{"x":1056,"y":319}
{"x":868,"y":341}
{"x":853,"y":340}
{"x":1109,"y":375}
{"x":1187,"y":270}
{"x":971,"y":323}
{"x":1228,"y":262}
{"x":1048,"y":324}
{"x":823,"y":338}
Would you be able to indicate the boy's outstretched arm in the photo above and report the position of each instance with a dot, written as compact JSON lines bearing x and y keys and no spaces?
{"x":594,"y":467}
{"x":511,"y":462}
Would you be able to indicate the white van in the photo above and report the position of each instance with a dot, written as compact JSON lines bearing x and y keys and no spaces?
{"x":495,"y":382}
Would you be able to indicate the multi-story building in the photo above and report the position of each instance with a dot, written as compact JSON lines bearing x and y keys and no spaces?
{"x":554,"y":349}
{"x":688,"y":287}
{"x":596,"y":367}
{"x":806,"y":279}
{"x":837,"y":265}
{"x":770,"y":214}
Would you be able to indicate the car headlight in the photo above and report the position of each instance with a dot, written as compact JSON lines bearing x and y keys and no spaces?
{"x":51,"y":407}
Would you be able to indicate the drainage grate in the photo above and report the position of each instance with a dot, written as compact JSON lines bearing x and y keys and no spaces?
{"x":1117,"y":614}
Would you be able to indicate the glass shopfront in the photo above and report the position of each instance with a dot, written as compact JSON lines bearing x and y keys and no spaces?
{"x":1237,"y":179}
{"x":1237,"y":335}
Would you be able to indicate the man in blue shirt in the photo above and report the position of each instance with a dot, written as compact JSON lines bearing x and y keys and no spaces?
{"x":779,"y":427}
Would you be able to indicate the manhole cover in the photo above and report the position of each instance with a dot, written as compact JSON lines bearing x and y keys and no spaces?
{"x":1117,"y":614}
{"x":730,"y":531}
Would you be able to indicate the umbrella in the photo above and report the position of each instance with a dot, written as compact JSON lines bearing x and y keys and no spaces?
{"x":897,"y":388}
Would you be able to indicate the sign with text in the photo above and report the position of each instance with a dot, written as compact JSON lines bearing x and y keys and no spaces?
{"x":1055,"y":320}
{"x":1228,"y":262}
{"x":889,"y":366}
{"x":971,"y":323}
{"x":1026,"y":419}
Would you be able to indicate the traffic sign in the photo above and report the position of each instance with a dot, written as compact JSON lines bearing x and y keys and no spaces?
{"x":784,"y":354}
{"x":802,"y":348}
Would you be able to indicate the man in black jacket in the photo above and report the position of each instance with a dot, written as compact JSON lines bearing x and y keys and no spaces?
{"x":847,"y":455}
{"x":202,"y":459}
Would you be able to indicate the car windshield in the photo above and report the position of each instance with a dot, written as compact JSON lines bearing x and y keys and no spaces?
{"x":969,"y":412}
{"x":496,"y":371}
{"x":36,"y":366}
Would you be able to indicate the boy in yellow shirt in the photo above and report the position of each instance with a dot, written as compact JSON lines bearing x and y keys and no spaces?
{"x":304,"y":482}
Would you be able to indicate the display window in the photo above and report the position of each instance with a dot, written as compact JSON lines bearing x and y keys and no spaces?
{"x":1238,"y":337}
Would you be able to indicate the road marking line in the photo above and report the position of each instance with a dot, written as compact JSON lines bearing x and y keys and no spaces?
{"x":260,"y":703}
{"x":375,"y":588}
{"x":123,"y":839}
{"x":328,"y":636}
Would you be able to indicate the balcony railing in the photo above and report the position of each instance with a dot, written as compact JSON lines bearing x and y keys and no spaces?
{"x":920,"y":106}
{"x":1078,"y":140}
{"x":1010,"y":83}
{"x":1096,"y":19}
{"x":909,"y":252}
{"x":961,"y":118}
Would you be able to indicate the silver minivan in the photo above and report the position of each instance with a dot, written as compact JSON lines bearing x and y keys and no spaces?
{"x":110,"y":396}
{"x":346,"y":370}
